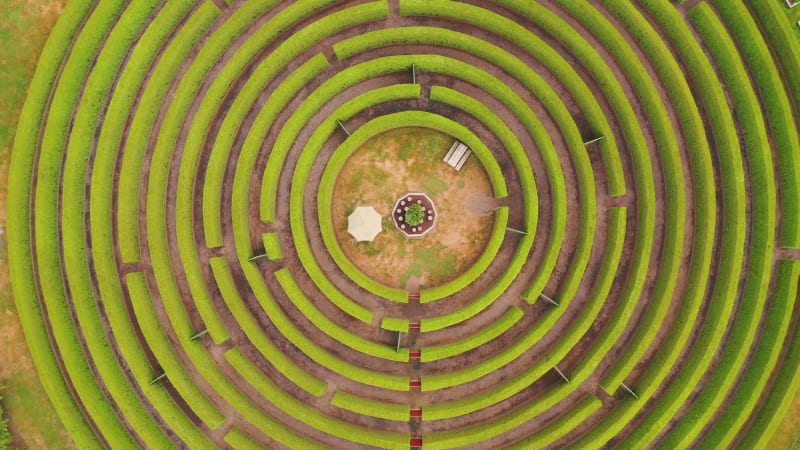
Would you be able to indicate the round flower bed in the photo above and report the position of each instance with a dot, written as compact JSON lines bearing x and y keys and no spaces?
{"x":414,"y":215}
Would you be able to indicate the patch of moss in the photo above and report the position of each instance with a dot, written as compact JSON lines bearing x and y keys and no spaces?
{"x":434,"y":186}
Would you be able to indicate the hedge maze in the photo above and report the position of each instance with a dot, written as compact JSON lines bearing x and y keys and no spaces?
{"x":179,"y":280}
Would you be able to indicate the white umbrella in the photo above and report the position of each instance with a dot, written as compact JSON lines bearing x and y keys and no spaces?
{"x":364,"y":224}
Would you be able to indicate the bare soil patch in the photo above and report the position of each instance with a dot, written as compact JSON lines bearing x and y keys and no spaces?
{"x":410,"y":160}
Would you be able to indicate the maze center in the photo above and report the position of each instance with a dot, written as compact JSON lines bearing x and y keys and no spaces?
{"x":410,"y":160}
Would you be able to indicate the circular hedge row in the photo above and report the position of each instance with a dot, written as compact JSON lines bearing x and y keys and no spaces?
{"x":176,"y":270}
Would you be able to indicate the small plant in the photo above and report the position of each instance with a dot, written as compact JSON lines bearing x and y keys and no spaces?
{"x":5,"y":436}
{"x":414,"y":215}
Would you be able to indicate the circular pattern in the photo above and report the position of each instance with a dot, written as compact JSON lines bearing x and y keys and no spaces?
{"x":179,"y":282}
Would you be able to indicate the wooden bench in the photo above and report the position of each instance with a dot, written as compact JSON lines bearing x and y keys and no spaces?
{"x":457,"y":155}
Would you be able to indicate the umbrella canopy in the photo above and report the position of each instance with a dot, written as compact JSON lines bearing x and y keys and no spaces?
{"x":364,"y":224}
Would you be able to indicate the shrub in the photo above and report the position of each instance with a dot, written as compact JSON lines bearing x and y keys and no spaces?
{"x":414,"y":215}
{"x":5,"y":436}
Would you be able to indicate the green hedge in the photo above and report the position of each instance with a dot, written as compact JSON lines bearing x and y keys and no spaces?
{"x":239,"y":207}
{"x":19,"y":231}
{"x":478,"y":77}
{"x":131,"y":177}
{"x":726,"y":287}
{"x":537,"y":86}
{"x":325,"y":195}
{"x":394,"y":324}
{"x":281,"y":147}
{"x":506,"y":423}
{"x":632,"y":129}
{"x":167,"y":287}
{"x":778,"y":398}
{"x":570,"y":337}
{"x":784,"y":45}
{"x":671,"y":261}
{"x":283,"y":143}
{"x":540,"y":51}
{"x":57,"y":135}
{"x":519,"y":157}
{"x":473,"y":341}
{"x":316,"y":353}
{"x":694,"y":134}
{"x":98,"y":84}
{"x":255,"y":333}
{"x":266,"y":70}
{"x":372,"y":408}
{"x":220,"y":155}
{"x":157,"y":183}
{"x":157,"y":340}
{"x":763,"y":225}
{"x":701,"y":165}
{"x":404,"y":119}
{"x":476,"y":269}
{"x":332,"y":329}
{"x":201,"y":362}
{"x":205,"y":60}
{"x":308,"y":414}
{"x":238,"y":439}
{"x":272,"y":246}
{"x":337,"y":161}
{"x":560,"y":427}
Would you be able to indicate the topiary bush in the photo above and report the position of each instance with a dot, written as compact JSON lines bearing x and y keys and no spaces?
{"x":414,"y":215}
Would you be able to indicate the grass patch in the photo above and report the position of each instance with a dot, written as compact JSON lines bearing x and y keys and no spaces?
{"x":434,"y":186}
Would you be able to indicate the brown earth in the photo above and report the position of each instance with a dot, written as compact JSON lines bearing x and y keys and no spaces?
{"x":409,"y":160}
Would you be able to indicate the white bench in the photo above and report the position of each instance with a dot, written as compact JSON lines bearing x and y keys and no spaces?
{"x":457,"y":155}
